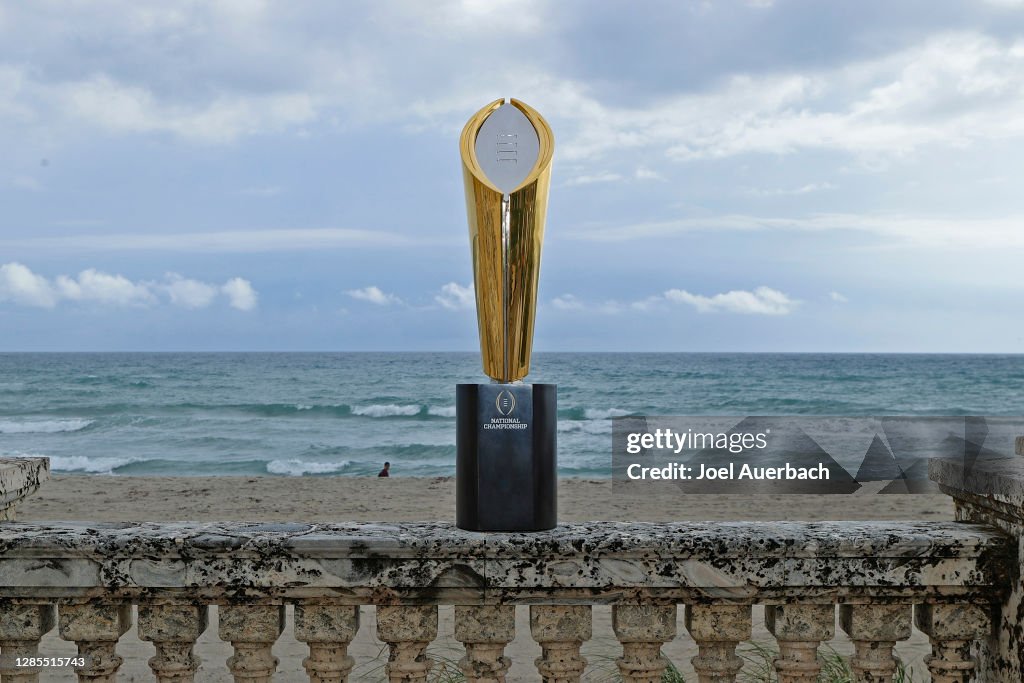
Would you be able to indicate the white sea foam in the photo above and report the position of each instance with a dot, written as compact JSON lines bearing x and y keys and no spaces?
{"x":441,"y":411}
{"x":81,"y":463}
{"x":586,"y":426}
{"x":387,"y":410}
{"x":43,"y":426}
{"x":595,"y":414}
{"x":297,"y":468}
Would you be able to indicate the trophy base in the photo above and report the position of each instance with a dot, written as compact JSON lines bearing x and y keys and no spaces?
{"x":505,"y":469}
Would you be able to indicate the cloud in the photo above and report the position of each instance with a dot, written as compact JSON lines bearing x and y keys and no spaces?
{"x":644,"y":173}
{"x":950,"y":90}
{"x":837,"y":297}
{"x":474,"y":16}
{"x":240,"y":294}
{"x":605,"y":177}
{"x":124,"y":108}
{"x":374,"y":295}
{"x":19,"y":285}
{"x":228,"y":241}
{"x":917,"y":231}
{"x":237,"y":73}
{"x":188,"y":293}
{"x":650,"y":303}
{"x":761,"y":301}
{"x":93,"y":285}
{"x":455,"y":297}
{"x":803,"y":189}
{"x":567,"y":302}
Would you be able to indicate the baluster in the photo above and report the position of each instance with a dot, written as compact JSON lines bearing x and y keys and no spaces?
{"x":173,"y":629}
{"x":642,"y":630}
{"x":95,"y":627}
{"x":952,"y":629}
{"x":717,"y":630}
{"x":799,"y":629}
{"x":407,"y":630}
{"x":560,"y":630}
{"x":252,"y":631}
{"x":327,"y":629}
{"x":874,"y":630}
{"x":21,"y":627}
{"x":485,"y":631}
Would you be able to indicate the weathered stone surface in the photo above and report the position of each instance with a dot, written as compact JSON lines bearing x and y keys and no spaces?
{"x":25,"y":622}
{"x":407,"y":630}
{"x":328,"y":629}
{"x":717,"y":629}
{"x":607,"y":562}
{"x":21,"y":627}
{"x":642,"y":630}
{"x":325,"y":623}
{"x":952,"y":629}
{"x":643,"y":623}
{"x":876,"y":622}
{"x":561,"y":630}
{"x":718,"y":622}
{"x":485,"y":623}
{"x":95,"y":627}
{"x":952,"y":622}
{"x":20,"y":478}
{"x":799,"y":629}
{"x":485,"y":630}
{"x":874,"y":630}
{"x":992,"y":492}
{"x":1001,"y":480}
{"x":709,"y":565}
{"x":171,"y":622}
{"x":95,"y":620}
{"x":801,"y":621}
{"x":252,"y":630}
{"x":173,"y":629}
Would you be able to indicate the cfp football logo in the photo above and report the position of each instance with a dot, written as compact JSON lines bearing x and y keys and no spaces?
{"x":505,"y":403}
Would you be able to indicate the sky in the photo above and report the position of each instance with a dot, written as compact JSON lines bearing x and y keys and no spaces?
{"x":737,"y":175}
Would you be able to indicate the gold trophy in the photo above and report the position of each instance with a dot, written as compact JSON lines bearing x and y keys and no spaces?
{"x":506,"y":166}
{"x":505,"y":467}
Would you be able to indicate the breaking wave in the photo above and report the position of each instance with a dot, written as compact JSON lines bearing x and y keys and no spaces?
{"x":43,"y":426}
{"x":298,"y":468}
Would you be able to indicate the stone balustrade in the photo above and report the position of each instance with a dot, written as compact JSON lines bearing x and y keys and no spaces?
{"x":84,"y":578}
{"x":959,"y":583}
{"x":20,"y":478}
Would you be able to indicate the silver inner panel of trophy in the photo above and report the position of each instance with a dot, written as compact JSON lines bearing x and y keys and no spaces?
{"x":507,"y":147}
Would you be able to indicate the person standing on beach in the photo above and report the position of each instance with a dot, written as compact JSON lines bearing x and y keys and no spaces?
{"x":386,"y":471}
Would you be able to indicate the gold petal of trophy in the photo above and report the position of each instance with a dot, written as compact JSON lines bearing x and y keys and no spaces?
{"x":506,"y":436}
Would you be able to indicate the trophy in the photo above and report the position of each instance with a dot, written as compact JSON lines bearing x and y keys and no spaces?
{"x":506,"y":439}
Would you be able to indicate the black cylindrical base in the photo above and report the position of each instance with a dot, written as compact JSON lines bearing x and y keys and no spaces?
{"x":505,"y":470}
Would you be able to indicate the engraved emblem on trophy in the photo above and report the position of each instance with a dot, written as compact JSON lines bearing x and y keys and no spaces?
{"x":506,"y":478}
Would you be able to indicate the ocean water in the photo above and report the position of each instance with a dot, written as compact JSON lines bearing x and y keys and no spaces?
{"x":309,"y":414}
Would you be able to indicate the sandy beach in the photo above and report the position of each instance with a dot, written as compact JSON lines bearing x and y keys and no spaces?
{"x":106,"y":498}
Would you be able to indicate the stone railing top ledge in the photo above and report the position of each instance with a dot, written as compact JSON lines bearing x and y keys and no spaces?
{"x":679,"y":540}
{"x":1001,"y":479}
{"x":20,"y":477}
